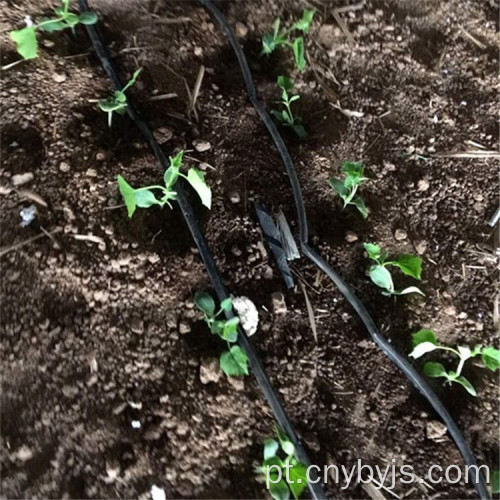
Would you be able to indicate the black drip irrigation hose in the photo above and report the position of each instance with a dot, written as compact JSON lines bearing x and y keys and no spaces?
{"x":256,"y":367}
{"x":400,"y":361}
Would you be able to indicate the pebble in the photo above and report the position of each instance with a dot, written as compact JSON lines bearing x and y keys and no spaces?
{"x":198,"y":51}
{"x":241,"y":30}
{"x":237,"y":382}
{"x":450,"y":311}
{"x":248,"y":314}
{"x":400,"y":235}
{"x":184,"y":327}
{"x":279,"y":304}
{"x":201,"y":146}
{"x":210,"y":370}
{"x":64,"y":167}
{"x":234,"y":197}
{"x":351,"y":237}
{"x":20,"y":179}
{"x":423,"y":185}
{"x":137,"y":325}
{"x":421,"y":247}
{"x":236,"y":251}
{"x":23,"y":453}
{"x":58,"y":77}
{"x":435,"y":429}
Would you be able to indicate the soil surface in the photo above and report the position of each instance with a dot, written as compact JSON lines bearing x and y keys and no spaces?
{"x":101,"y":345}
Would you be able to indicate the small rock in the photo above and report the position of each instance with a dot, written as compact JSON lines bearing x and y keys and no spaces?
{"x":234,"y":197}
{"x":137,"y":325}
{"x":23,"y":453}
{"x":157,"y":493}
{"x":236,"y":251}
{"x":48,"y":43}
{"x":58,"y":77}
{"x":421,"y":247}
{"x":423,"y":185}
{"x":100,"y":156}
{"x":112,"y":470}
{"x":210,"y":370}
{"x":351,"y":237}
{"x":182,"y":429}
{"x":198,"y":51}
{"x":463,"y":315}
{"x":400,"y":235}
{"x":237,"y":382}
{"x":326,"y":35}
{"x":435,"y":429}
{"x":268,"y":273}
{"x":241,"y":30}
{"x":201,"y":146}
{"x":64,"y":167}
{"x":248,"y":314}
{"x":20,"y":179}
{"x":70,"y":390}
{"x":279,"y":304}
{"x":450,"y":311}
{"x":184,"y":327}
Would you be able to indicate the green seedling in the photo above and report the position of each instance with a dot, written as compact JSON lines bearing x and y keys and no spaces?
{"x":118,"y":101}
{"x":25,"y":38}
{"x":283,"y":37}
{"x":495,"y":481}
{"x":144,"y":197}
{"x":424,"y":341}
{"x":348,"y":188}
{"x":411,"y":265}
{"x":283,"y":474}
{"x":286,"y":116}
{"x":234,"y":361}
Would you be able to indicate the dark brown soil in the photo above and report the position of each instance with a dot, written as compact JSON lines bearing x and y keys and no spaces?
{"x":92,"y":330}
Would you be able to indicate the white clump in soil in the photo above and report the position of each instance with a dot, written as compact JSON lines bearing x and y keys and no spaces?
{"x":27,"y":215}
{"x":157,"y":493}
{"x":136,"y":424}
{"x":247,"y":313}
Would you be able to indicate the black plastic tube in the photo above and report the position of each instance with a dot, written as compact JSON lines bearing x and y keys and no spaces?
{"x":400,"y":361}
{"x":256,"y":367}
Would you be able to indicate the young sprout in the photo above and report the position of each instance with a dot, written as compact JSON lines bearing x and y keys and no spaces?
{"x":277,"y":37}
{"x":234,"y":361}
{"x":424,"y":341}
{"x":144,"y":197}
{"x":118,"y":101}
{"x":347,"y":190}
{"x":411,"y":265}
{"x":282,"y":475}
{"x":286,"y":116}
{"x":25,"y":38}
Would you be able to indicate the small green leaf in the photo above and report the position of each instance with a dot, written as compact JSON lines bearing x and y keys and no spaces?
{"x":491,"y":358}
{"x":196,"y":178}
{"x":435,"y":370}
{"x":285,"y":83}
{"x":465,"y":383}
{"x":279,"y":490}
{"x":71,"y":19}
{"x":131,"y":82}
{"x":465,"y":352}
{"x":424,"y":336}
{"x":288,"y":447}
{"x":410,"y":289}
{"x":495,"y":481}
{"x":373,"y":251}
{"x":230,"y":330}
{"x":285,"y":117}
{"x":88,"y":17}
{"x":226,"y":304}
{"x":145,"y":198}
{"x":234,"y":362}
{"x":49,"y":25}
{"x":268,"y":44}
{"x":360,"y":205}
{"x":411,"y":265}
{"x":304,"y":23}
{"x":176,"y":161}
{"x":298,"y":479}
{"x":298,"y":52}
{"x":128,"y":194}
{"x":423,"y":348}
{"x":338,"y":186}
{"x":26,"y":43}
{"x":382,"y":278}
{"x":294,"y":98}
{"x":170,"y":176}
{"x":353,"y":168}
{"x":205,"y":303}
{"x":276,"y":27}
{"x":270,"y":448}
{"x":119,"y":97}
{"x":300,"y":131}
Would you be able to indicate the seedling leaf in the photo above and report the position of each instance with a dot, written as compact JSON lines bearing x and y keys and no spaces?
{"x":465,"y":383}
{"x":196,"y":178}
{"x":298,"y":479}
{"x":279,"y":490}
{"x":495,"y":481}
{"x":338,"y":186}
{"x":230,"y":330}
{"x":360,"y":205}
{"x":170,"y":176}
{"x":234,"y":362}
{"x":268,"y":44}
{"x":304,"y":23}
{"x":298,"y":52}
{"x":285,"y":83}
{"x":176,"y":161}
{"x":434,"y":370}
{"x":26,"y":43}
{"x":145,"y":198}
{"x":424,"y":336}
{"x":88,"y":17}
{"x":205,"y":303}
{"x":373,"y":251}
{"x":226,"y":304}
{"x":491,"y":358}
{"x":410,"y":265}
{"x":410,"y":289}
{"x":270,"y":448}
{"x":422,"y":349}
{"x":382,"y":278}
{"x":128,"y":194}
{"x":50,"y":25}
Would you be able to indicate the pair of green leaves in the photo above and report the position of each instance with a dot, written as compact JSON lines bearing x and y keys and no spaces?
{"x":282,"y":37}
{"x":424,"y":341}
{"x":275,"y":470}
{"x":347,"y":189}
{"x":233,"y":362}
{"x":118,"y":101}
{"x":286,"y":116}
{"x":25,"y":38}
{"x":144,"y":197}
{"x":411,"y":265}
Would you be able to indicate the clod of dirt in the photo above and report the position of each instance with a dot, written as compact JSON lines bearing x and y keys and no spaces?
{"x":279,"y":304}
{"x":241,"y":30}
{"x":237,"y":383}
{"x":234,"y":197}
{"x":184,"y":327}
{"x":350,"y":237}
{"x":23,"y":454}
{"x":247,"y":313}
{"x":435,"y":429}
{"x":58,"y":77}
{"x":450,"y":311}
{"x":137,"y":325}
{"x":163,"y":134}
{"x":400,"y":235}
{"x":210,"y":370}
{"x":421,"y":247}
{"x":64,"y":167}
{"x":20,"y":179}
{"x":201,"y":146}
{"x":423,"y":185}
